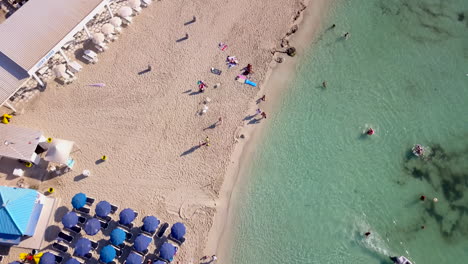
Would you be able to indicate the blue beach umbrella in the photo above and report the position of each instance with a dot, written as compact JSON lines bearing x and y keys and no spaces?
{"x":107,"y":254}
{"x":70,"y":219}
{"x":126,"y":216}
{"x":82,"y":247}
{"x":92,"y":226}
{"x":167,"y":251}
{"x":72,"y":261}
{"x":117,"y":236}
{"x":150,"y":223}
{"x":103,"y":208}
{"x":142,"y":242}
{"x":178,"y":231}
{"x":47,"y":258}
{"x":134,"y":258}
{"x":159,"y":262}
{"x":79,"y":200}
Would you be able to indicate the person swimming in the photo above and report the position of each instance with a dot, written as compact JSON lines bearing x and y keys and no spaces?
{"x":370,"y":132}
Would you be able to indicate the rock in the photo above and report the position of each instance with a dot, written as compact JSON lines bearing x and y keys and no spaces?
{"x":292,"y":30}
{"x":291,"y":51}
{"x":284,"y":43}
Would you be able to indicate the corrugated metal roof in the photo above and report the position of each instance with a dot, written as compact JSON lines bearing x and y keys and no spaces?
{"x":16,"y":207}
{"x":18,"y":142}
{"x":11,"y":77}
{"x":32,"y":31}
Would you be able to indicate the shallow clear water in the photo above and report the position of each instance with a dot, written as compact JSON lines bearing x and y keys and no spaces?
{"x":316,"y":184}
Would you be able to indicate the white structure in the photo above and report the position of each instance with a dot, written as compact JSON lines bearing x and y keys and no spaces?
{"x":34,"y":33}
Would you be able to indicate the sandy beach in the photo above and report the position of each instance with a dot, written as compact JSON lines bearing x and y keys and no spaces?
{"x":149,"y":125}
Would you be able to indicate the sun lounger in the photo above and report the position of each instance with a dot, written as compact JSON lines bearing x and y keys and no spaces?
{"x":104,"y":225}
{"x":106,"y":219}
{"x":118,"y":251}
{"x":114,"y":208}
{"x":128,"y":235}
{"x":146,"y":232}
{"x":65,"y":237}
{"x":128,"y":227}
{"x":179,"y":242}
{"x":90,"y":201}
{"x":87,"y":256}
{"x":159,"y":258}
{"x":58,"y":259}
{"x":81,"y":220}
{"x":74,"y":229}
{"x":84,"y":210}
{"x":94,"y":244}
{"x":1,"y":259}
{"x":59,"y":247}
{"x":162,"y":230}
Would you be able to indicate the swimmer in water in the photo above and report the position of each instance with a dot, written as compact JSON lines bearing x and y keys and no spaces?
{"x":422,"y":198}
{"x":367,"y":234}
{"x":370,"y":132}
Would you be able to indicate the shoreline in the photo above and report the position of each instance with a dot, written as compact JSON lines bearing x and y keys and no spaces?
{"x":220,"y":238}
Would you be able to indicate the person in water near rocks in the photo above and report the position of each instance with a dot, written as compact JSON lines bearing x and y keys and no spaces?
{"x":422,"y":198}
{"x":370,"y":132}
{"x":367,"y":234}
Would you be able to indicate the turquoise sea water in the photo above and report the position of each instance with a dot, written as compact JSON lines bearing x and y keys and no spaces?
{"x":315,"y":184}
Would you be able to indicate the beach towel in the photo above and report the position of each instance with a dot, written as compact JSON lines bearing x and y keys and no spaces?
{"x":216,"y":71}
{"x":222,"y":46}
{"x":97,"y":84}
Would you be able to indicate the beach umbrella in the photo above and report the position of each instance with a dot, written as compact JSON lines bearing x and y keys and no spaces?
{"x":47,"y":258}
{"x":79,"y":200}
{"x":115,"y":21}
{"x":103,"y":208}
{"x":72,"y":261}
{"x":125,"y":11}
{"x":159,"y":262}
{"x":167,"y":251}
{"x":59,"y":150}
{"x":117,"y":236}
{"x":82,"y":247}
{"x":134,"y":258}
{"x":107,"y":254}
{"x":127,"y":216}
{"x":134,"y":3}
{"x":92,"y":226}
{"x":150,"y":223}
{"x":142,"y":242}
{"x":98,"y":38}
{"x":70,"y":219}
{"x":59,"y":70}
{"x":178,"y":231}
{"x":107,"y":29}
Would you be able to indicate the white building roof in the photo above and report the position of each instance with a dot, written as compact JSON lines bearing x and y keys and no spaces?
{"x":38,"y":26}
{"x":18,"y":142}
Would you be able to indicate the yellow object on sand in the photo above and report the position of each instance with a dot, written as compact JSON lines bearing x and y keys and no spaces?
{"x":49,"y":140}
{"x":104,"y":157}
{"x":51,"y":190}
{"x":28,"y":164}
{"x":5,"y":120}
{"x":23,"y":256}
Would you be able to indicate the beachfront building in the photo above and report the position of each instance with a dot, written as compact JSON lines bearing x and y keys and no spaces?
{"x":24,"y":216}
{"x":36,"y":32}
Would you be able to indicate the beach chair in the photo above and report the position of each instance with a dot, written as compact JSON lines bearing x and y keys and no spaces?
{"x":87,"y":256}
{"x":74,"y":229}
{"x":81,"y":220}
{"x":1,"y":258}
{"x":64,"y":237}
{"x":146,"y":232}
{"x":58,"y":259}
{"x":179,"y":242}
{"x":114,"y":208}
{"x":59,"y":247}
{"x":90,"y":201}
{"x":162,"y":230}
{"x":128,"y":235}
{"x":159,"y":258}
{"x":94,"y":244}
{"x":128,"y":227}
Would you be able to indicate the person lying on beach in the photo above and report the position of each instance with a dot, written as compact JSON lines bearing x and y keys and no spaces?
{"x":248,"y":70}
{"x":231,"y":61}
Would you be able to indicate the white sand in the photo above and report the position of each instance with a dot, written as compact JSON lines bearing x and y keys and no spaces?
{"x":144,"y":123}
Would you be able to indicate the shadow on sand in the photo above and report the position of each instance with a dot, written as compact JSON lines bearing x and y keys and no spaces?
{"x":189,"y":151}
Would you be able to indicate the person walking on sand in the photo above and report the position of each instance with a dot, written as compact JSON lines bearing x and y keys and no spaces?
{"x":258,"y":111}
{"x":263,"y":98}
{"x":220,"y":121}
{"x":213,"y":258}
{"x":263,"y":115}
